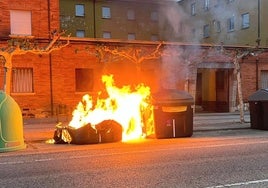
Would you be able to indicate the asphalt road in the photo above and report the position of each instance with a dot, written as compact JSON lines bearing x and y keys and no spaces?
{"x":221,"y":158}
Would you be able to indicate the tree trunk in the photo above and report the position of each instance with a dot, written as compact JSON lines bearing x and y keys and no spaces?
{"x":7,"y":73}
{"x":239,"y":89}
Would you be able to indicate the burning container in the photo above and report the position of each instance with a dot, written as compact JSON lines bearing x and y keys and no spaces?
{"x":11,"y":124}
{"x":173,"y":114}
{"x":258,"y":106}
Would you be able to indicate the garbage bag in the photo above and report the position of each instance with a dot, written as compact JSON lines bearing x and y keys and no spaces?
{"x":61,"y":135}
{"x":83,"y":135}
{"x":109,"y":131}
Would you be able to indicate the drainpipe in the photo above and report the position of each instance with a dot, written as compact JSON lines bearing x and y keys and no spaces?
{"x":50,"y":59}
{"x":259,"y":19}
{"x":258,"y":44}
{"x":257,"y":73}
{"x":94,"y":18}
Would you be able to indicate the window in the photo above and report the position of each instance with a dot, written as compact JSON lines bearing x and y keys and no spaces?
{"x":230,"y":24}
{"x":217,"y":3}
{"x":154,"y":16}
{"x":80,"y":33}
{"x":264,"y":79}
{"x":130,"y":15}
{"x":245,"y":20}
{"x":22,"y":80}
{"x":206,"y":31}
{"x":193,"y":9}
{"x":106,"y":12}
{"x":154,"y":37}
{"x":131,"y":36}
{"x":206,"y":4}
{"x":106,"y":34}
{"x":217,"y":26}
{"x":193,"y":32}
{"x":230,"y":1}
{"x":84,"y":80}
{"x":79,"y":10}
{"x":20,"y":22}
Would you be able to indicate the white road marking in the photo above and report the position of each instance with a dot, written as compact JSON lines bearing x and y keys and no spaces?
{"x":241,"y":183}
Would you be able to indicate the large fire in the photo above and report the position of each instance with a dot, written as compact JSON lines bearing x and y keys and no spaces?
{"x":131,"y":108}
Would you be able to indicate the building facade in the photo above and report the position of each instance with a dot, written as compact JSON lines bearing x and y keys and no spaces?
{"x":50,"y":84}
{"x":121,"y":19}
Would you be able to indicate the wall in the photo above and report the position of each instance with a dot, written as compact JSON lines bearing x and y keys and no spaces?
{"x":39,"y":11}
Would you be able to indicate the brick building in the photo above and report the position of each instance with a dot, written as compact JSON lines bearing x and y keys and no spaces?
{"x":49,"y":84}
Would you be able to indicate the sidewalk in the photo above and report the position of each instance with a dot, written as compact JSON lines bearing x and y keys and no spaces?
{"x":220,"y":121}
{"x":41,"y":130}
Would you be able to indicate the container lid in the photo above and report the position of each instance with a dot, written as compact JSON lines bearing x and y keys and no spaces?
{"x":260,"y":95}
{"x":172,"y":95}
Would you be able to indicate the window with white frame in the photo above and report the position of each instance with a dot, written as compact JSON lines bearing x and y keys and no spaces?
{"x":106,"y":35}
{"x":230,"y":23}
{"x":206,"y":31}
{"x":131,"y":36}
{"x":130,"y":14}
{"x":80,"y":33}
{"x":79,"y":10}
{"x":22,"y":80}
{"x":206,"y":4}
{"x":154,"y":16}
{"x":20,"y":22}
{"x":193,"y":9}
{"x":106,"y":12}
{"x":84,"y":80}
{"x":245,"y":20}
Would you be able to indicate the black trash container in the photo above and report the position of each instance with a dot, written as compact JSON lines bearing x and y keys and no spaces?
{"x":258,"y":106}
{"x":173,"y":114}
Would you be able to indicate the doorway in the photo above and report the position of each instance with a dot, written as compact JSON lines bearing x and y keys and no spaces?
{"x":212,"y":90}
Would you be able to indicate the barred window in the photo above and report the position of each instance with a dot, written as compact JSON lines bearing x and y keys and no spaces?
{"x":264,"y":79}
{"x":22,"y":80}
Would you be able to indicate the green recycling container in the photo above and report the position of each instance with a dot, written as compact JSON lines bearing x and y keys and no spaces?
{"x":11,"y":124}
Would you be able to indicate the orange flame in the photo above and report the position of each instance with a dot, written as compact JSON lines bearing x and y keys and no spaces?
{"x":131,"y":109}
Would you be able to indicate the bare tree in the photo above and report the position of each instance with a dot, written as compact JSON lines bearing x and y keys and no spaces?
{"x":237,"y":55}
{"x":135,"y":55}
{"x":19,"y":45}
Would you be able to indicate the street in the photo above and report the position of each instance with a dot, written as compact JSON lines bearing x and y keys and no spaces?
{"x":219,"y":158}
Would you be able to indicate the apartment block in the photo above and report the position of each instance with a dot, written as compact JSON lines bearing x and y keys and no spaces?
{"x":231,"y":22}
